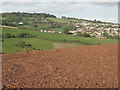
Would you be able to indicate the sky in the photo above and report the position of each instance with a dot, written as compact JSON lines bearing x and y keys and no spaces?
{"x":105,"y":10}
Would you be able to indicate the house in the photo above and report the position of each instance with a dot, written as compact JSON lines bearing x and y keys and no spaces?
{"x":75,"y":34}
{"x":14,"y":22}
{"x":45,"y":30}
{"x":49,"y":31}
{"x":92,"y":28}
{"x":116,"y":32}
{"x":111,"y":34}
{"x":79,"y":29}
{"x":20,"y":23}
{"x":98,"y":35}
{"x":44,"y":20}
{"x":41,"y":30}
{"x":60,"y":32}
{"x":53,"y":31}
{"x":72,"y":31}
{"x":77,"y":26}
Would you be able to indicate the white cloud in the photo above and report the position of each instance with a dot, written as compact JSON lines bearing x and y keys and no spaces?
{"x":58,"y":8}
{"x":103,"y":19}
{"x":60,"y":0}
{"x":101,"y":11}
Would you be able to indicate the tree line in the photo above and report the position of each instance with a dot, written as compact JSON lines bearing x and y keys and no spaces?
{"x":22,"y":35}
{"x":25,"y":14}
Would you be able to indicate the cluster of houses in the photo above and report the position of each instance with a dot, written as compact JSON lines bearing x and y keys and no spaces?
{"x":92,"y":29}
{"x":49,"y":31}
{"x":96,"y":29}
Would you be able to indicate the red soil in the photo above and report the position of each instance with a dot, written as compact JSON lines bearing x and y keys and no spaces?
{"x":93,"y":66}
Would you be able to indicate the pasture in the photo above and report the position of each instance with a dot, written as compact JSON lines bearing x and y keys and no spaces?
{"x":63,"y":20}
{"x":44,"y":40}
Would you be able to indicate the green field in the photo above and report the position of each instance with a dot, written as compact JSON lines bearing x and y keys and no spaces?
{"x":63,"y":20}
{"x":9,"y":44}
{"x":40,"y":26}
{"x":56,"y":29}
{"x":44,"y":40}
{"x":29,"y":18}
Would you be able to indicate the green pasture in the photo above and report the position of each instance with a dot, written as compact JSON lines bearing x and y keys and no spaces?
{"x":8,"y":45}
{"x":63,"y":20}
{"x":59,"y":20}
{"x":44,"y":40}
{"x":56,"y":29}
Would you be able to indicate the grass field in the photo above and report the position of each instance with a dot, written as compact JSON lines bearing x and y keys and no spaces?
{"x":56,"y":29}
{"x":9,"y":44}
{"x":64,"y":20}
{"x":44,"y":40}
{"x":59,"y":20}
{"x":48,"y":27}
{"x":17,"y":31}
{"x":30,"y":18}
{"x":76,"y":39}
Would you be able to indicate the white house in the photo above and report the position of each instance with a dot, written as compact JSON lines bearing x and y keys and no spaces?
{"x":21,"y":23}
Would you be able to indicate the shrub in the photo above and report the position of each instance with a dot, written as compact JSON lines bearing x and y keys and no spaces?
{"x":7,"y":35}
{"x":22,"y":45}
{"x":25,"y":35}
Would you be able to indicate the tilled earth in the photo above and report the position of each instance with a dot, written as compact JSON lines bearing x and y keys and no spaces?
{"x":94,"y":66}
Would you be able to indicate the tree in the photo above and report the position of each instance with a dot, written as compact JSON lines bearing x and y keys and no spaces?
{"x":105,"y":34}
{"x":66,"y":30}
{"x":7,"y":35}
{"x":22,"y":45}
{"x":110,"y":31}
{"x":71,"y":27}
{"x":63,"y":17}
{"x":27,"y":47}
{"x":79,"y":33}
{"x":52,"y":26}
{"x":25,"y":35}
{"x":35,"y":26}
{"x":85,"y":35}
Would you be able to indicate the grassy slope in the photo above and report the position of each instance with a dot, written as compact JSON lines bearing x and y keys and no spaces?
{"x":9,"y":44}
{"x":59,"y":20}
{"x":47,"y":40}
{"x":56,"y":29}
{"x":62,"y":37}
{"x":30,"y":20}
{"x":63,"y":20}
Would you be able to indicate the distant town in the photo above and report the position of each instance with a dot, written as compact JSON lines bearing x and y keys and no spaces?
{"x":99,"y":30}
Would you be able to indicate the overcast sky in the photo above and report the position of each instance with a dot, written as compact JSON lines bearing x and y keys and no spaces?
{"x":104,"y":11}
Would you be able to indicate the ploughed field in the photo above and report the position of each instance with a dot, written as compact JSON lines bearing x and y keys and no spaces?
{"x":94,"y":66}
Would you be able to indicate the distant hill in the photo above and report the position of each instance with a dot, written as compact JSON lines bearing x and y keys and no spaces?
{"x":20,"y":15}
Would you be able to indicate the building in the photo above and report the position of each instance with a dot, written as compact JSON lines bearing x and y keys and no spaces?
{"x":20,"y":23}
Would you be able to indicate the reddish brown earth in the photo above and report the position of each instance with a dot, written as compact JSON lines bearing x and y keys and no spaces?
{"x":93,"y":66}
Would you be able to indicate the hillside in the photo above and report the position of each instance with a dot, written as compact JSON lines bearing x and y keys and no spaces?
{"x":69,"y":25}
{"x":45,"y":40}
{"x":94,"y":66}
